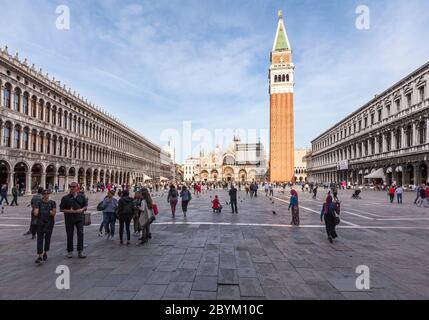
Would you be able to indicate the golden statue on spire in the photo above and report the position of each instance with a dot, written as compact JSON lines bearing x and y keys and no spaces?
{"x":280,"y":14}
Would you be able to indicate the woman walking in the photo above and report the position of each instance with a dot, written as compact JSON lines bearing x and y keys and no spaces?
{"x":172,"y":198}
{"x":146,"y":216}
{"x":138,"y":198}
{"x":329,"y":215}
{"x":110,"y":207}
{"x":186,"y":197}
{"x":44,"y":212}
{"x":125,"y":212}
{"x":295,"y":207}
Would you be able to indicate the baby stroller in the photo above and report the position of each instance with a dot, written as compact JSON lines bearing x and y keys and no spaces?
{"x":356,"y":195}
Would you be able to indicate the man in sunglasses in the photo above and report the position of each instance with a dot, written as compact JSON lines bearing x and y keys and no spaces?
{"x":74,"y":206}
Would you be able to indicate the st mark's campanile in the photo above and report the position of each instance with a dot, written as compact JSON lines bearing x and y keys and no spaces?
{"x":281,"y":78}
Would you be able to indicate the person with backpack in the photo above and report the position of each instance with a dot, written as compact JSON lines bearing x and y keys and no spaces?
{"x":173,"y":198}
{"x":186,"y":198}
{"x":125,"y":213}
{"x":109,"y":206}
{"x":44,"y":212}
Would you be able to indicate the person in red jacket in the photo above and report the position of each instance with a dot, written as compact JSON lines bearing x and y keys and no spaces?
{"x":216,"y":205}
{"x":391,"y":193}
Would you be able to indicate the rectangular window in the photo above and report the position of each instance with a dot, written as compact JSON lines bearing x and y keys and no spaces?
{"x":388,"y":110}
{"x":409,"y":100}
{"x":366,"y":122}
{"x":398,"y":105}
{"x":422,"y":93}
{"x":360,"y":125}
{"x":380,"y":115}
{"x":372,"y":119}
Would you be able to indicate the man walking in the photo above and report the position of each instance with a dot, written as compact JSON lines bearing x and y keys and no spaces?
{"x":15,"y":194}
{"x":233,"y":199}
{"x":3,"y":195}
{"x":74,"y":206}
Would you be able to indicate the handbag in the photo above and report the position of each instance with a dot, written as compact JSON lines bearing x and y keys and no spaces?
{"x":337,"y":220}
{"x":155,"y":209}
{"x":87,"y":219}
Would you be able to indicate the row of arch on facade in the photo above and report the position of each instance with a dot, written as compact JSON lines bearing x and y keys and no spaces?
{"x":28,"y":139}
{"x":400,"y":174}
{"x":37,"y":108}
{"x":29,"y":177}
{"x":281,"y":78}
{"x":228,"y":174}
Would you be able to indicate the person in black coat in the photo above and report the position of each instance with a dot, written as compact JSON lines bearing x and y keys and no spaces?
{"x":233,"y":199}
{"x":45,"y":212}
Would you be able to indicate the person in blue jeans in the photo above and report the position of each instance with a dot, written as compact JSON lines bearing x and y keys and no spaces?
{"x":399,"y":192}
{"x":3,"y":195}
{"x":110,"y":208}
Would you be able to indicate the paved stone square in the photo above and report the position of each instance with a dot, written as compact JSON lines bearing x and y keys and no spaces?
{"x":253,"y":255}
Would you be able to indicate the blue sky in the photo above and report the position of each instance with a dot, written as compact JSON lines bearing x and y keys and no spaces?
{"x":155,"y":64}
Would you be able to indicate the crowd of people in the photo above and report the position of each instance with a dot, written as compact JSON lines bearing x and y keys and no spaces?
{"x":118,"y":205}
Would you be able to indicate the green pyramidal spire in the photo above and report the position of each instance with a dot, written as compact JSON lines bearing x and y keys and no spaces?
{"x":281,"y":42}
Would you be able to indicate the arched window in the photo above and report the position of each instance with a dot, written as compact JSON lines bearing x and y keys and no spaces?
{"x":34,"y":140}
{"x":34,"y":107}
{"x":42,"y":142}
{"x":48,"y":144}
{"x":422,"y":132}
{"x":41,"y":109}
{"x":48,"y":113}
{"x":398,"y":139}
{"x":275,"y":78}
{"x":54,"y":145}
{"x":6,"y":135}
{"x":60,"y":117}
{"x":283,"y":78}
{"x":25,"y":137}
{"x":17,"y":137}
{"x":54,"y":115}
{"x":6,"y":95}
{"x":25,"y":103}
{"x":409,"y":136}
{"x":229,"y":160}
{"x":16,"y":97}
{"x":287,"y":78}
{"x":65,"y":120}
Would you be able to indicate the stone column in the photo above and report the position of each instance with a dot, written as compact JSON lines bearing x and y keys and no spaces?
{"x":416,"y":174}
{"x":376,"y":147}
{"x":28,"y":182}
{"x":427,"y":133}
{"x":1,"y":95}
{"x":21,"y":138}
{"x":404,"y":138}
{"x":384,"y":144}
{"x":393,"y":141}
{"x":43,"y":180}
{"x":11,"y":182}
{"x":12,"y":98}
{"x":415,"y":135}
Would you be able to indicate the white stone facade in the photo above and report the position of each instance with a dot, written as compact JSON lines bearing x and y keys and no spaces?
{"x":49,"y":135}
{"x":240,"y":162}
{"x":390,"y":132}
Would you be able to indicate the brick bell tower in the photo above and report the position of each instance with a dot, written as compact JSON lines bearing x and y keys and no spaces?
{"x":281,"y":78}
